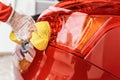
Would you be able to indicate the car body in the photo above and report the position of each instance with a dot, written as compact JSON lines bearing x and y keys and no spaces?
{"x":87,"y":51}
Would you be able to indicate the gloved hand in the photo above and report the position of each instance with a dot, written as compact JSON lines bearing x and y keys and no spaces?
{"x":22,"y":26}
{"x":29,"y":55}
{"x":24,"y":59}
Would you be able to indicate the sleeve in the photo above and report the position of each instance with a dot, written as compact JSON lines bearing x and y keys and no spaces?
{"x":5,"y":12}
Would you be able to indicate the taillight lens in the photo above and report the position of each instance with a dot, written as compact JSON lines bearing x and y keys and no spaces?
{"x":79,"y":28}
{"x":76,"y":23}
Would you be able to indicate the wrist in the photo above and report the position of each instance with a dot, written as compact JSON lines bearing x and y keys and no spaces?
{"x":14,"y":20}
{"x":10,"y":16}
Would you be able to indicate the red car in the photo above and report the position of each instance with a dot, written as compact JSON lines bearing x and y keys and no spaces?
{"x":84,"y":43}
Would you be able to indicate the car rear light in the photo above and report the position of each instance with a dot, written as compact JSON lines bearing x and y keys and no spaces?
{"x":79,"y":28}
{"x":93,"y":25}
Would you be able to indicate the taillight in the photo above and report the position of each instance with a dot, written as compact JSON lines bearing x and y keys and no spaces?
{"x":92,"y":26}
{"x":79,"y":23}
{"x":79,"y":28}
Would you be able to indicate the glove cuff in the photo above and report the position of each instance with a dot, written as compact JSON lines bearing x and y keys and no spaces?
{"x":14,"y":19}
{"x":10,"y":16}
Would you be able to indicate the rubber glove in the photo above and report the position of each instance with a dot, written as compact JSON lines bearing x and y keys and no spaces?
{"x":22,"y":25}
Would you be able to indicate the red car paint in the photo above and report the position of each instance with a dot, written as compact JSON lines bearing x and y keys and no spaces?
{"x":58,"y":64}
{"x":98,"y":59}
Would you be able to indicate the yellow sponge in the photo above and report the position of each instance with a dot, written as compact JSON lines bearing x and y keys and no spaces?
{"x":40,"y":38}
{"x":13,"y":37}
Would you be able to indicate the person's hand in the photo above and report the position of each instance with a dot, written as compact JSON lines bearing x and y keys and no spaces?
{"x":24,"y":59}
{"x":25,"y":51}
{"x":22,"y":26}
